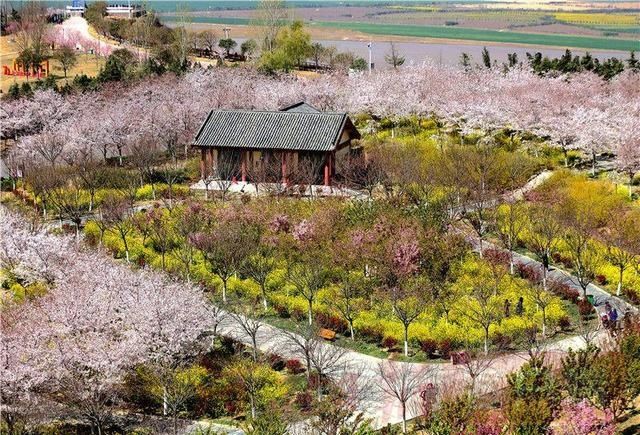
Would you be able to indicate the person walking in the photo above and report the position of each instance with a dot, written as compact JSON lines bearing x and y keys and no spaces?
{"x":613,"y":320}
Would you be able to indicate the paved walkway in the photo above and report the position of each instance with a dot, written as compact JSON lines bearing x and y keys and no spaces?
{"x":204,"y":427}
{"x":600,"y":296}
{"x":78,"y":28}
{"x":444,"y":376}
{"x":384,"y":409}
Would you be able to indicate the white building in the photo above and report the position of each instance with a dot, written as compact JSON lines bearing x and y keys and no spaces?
{"x":128,"y":11}
{"x":76,"y":9}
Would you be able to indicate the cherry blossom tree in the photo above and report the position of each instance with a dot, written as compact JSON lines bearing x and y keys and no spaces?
{"x":97,"y":320}
{"x":579,"y":111}
{"x":628,"y":149}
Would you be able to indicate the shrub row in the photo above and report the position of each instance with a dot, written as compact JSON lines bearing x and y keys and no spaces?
{"x":564,"y":291}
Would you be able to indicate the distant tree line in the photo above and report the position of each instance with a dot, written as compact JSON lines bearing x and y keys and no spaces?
{"x":565,"y":64}
{"x":569,"y":63}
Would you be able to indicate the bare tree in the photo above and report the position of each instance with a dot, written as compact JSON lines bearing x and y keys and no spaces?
{"x":67,"y":198}
{"x":191,"y":220}
{"x":409,"y":300}
{"x":49,"y":145}
{"x":394,"y":58}
{"x":341,"y":410}
{"x":306,"y":174}
{"x":474,"y":364}
{"x":92,"y":175}
{"x":544,"y":232}
{"x":270,"y":17}
{"x":479,"y":166}
{"x":161,"y":233}
{"x":171,"y":174}
{"x":360,"y":173}
{"x":403,"y":382}
{"x":588,"y":330}
{"x":328,"y":362}
{"x":248,"y":318}
{"x":145,"y":155}
{"x":478,"y":215}
{"x":42,"y":181}
{"x":301,"y":342}
{"x":258,"y":173}
{"x":308,"y":279}
{"x":346,"y":298}
{"x":209,"y":40}
{"x":116,"y":211}
{"x":510,"y":222}
{"x":225,"y":249}
{"x":217,"y":316}
{"x":543,"y":299}
{"x":259,"y":267}
{"x":226,"y":172}
{"x":277,"y":178}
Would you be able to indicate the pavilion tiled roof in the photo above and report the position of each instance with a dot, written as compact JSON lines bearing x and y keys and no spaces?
{"x":300,"y":107}
{"x":283,"y":130}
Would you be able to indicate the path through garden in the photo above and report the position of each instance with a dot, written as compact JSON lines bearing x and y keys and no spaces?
{"x":444,"y":375}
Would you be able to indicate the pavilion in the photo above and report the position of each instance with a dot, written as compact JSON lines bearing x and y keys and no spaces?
{"x":272,"y":146}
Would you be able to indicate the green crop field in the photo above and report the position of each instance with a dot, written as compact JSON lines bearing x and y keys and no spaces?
{"x":488,"y":35}
{"x":482,"y":35}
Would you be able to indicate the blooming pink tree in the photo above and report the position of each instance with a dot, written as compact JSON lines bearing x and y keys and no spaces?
{"x":628,"y":148}
{"x":97,"y":320}
{"x":583,"y":418}
{"x":578,"y":111}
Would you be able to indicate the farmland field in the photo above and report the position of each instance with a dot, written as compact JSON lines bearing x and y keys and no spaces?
{"x":456,"y":33}
{"x":490,"y":36}
{"x":598,"y":18}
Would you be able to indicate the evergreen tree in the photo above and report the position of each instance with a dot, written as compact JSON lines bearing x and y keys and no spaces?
{"x":486,"y":58}
{"x":14,"y":91}
{"x":632,"y":62}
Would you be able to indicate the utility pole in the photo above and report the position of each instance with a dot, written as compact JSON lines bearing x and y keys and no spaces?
{"x":370,"y":46}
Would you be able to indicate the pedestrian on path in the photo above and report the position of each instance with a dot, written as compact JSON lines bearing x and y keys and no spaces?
{"x":520,"y":306}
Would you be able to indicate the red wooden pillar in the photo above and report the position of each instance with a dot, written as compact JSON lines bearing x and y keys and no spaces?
{"x":209,"y":162}
{"x":283,"y":163}
{"x":203,"y":163}
{"x":243,"y":165}
{"x":327,"y":169}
